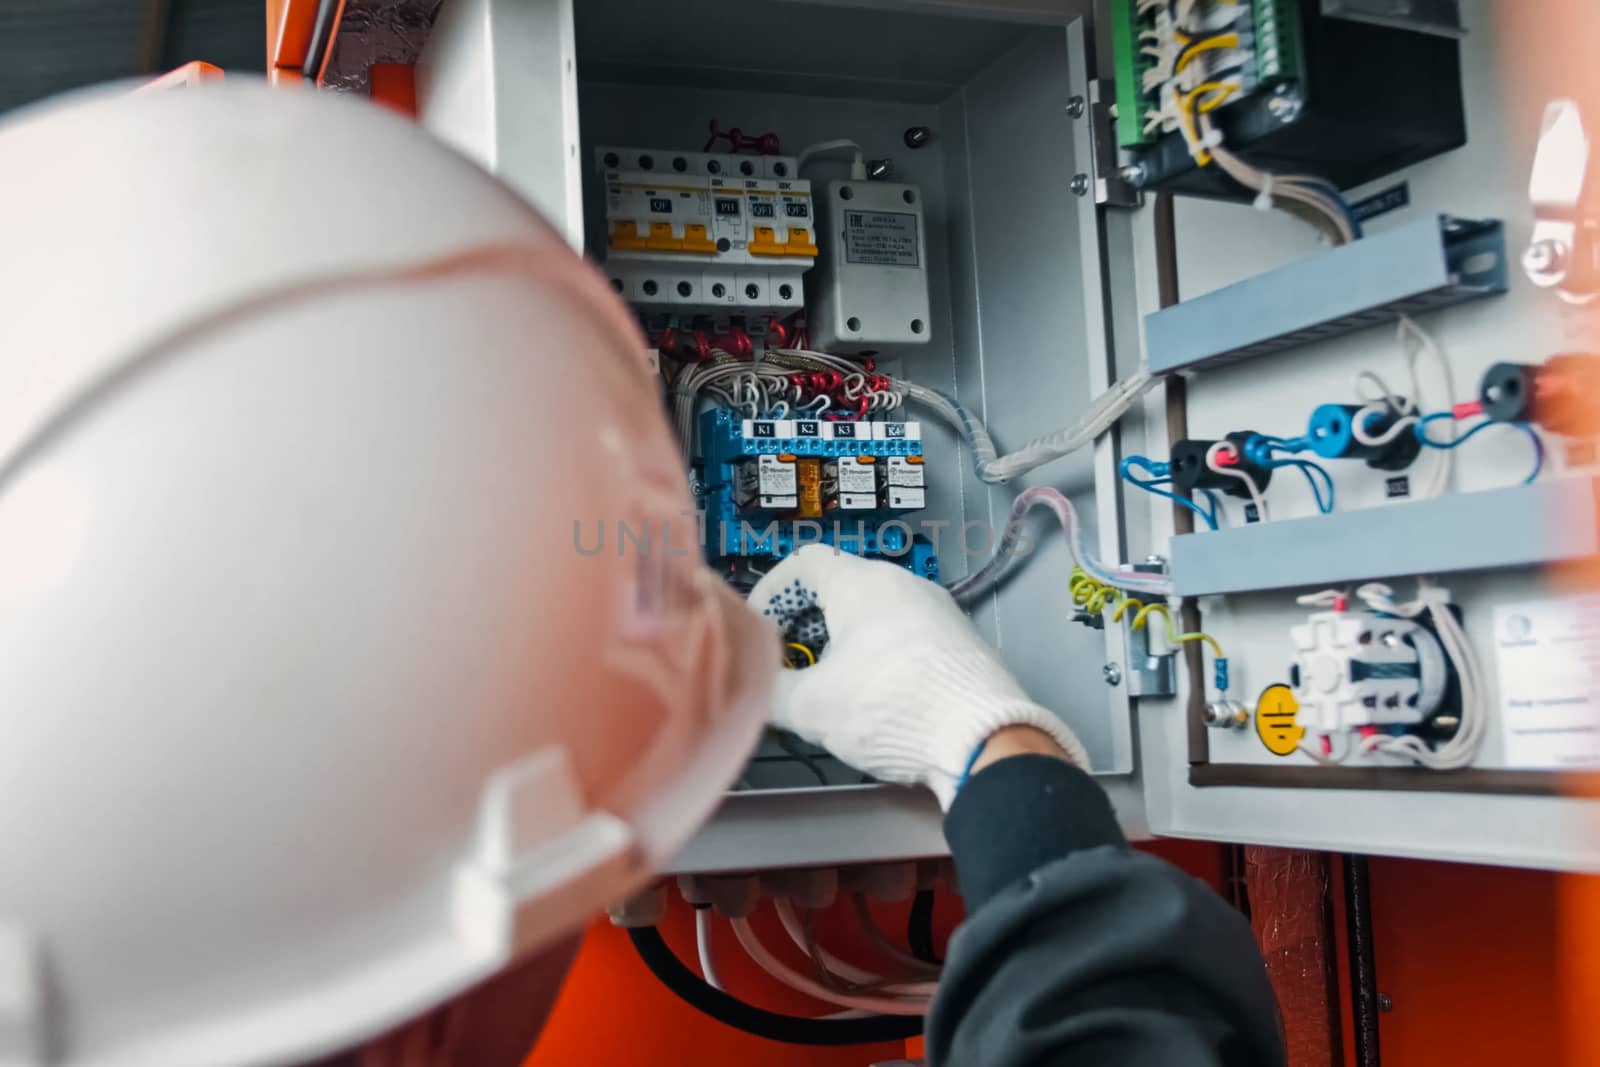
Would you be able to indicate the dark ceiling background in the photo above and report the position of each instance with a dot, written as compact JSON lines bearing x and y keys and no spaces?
{"x":48,"y":46}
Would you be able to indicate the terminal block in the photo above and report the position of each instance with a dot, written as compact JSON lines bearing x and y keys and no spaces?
{"x":1294,"y":86}
{"x":1357,"y":669}
{"x":771,"y":486}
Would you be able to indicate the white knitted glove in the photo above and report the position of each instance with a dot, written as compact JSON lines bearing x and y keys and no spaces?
{"x":905,"y":689}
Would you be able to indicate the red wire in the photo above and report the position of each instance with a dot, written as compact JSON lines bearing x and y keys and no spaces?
{"x":766,"y":144}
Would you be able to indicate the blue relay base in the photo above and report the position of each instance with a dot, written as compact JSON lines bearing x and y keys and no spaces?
{"x":728,"y":438}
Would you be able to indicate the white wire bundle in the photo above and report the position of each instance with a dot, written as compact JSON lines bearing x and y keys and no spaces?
{"x":883,"y":944}
{"x":702,"y":944}
{"x":1408,"y":409}
{"x":839,"y":968}
{"x":885,"y":1005}
{"x":1315,"y":204}
{"x":994,"y":469}
{"x":764,"y":387}
{"x":1463,"y":747}
{"x":696,"y":379}
{"x":1006,"y":551}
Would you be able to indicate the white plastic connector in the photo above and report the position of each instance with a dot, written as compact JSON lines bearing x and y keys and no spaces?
{"x":886,"y":882}
{"x":809,"y":889}
{"x":1263,"y":201}
{"x":732,"y":897}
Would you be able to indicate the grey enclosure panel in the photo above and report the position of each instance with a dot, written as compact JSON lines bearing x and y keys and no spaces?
{"x":1542,"y":523}
{"x":1420,"y":267}
{"x":815,"y":828}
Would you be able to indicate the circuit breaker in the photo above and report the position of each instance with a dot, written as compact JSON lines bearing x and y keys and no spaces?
{"x":697,"y":232}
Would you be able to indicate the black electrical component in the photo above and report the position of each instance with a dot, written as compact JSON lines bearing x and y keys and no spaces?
{"x":1561,"y":395}
{"x":1346,"y":101}
{"x":1332,"y":436}
{"x":1507,"y":392}
{"x":1190,"y":471}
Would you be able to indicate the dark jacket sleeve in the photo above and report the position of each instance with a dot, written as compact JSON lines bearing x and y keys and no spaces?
{"x":1079,"y":950}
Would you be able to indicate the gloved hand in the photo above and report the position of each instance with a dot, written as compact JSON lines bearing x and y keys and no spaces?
{"x":905,"y":689}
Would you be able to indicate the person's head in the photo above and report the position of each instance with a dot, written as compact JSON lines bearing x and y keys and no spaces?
{"x":345,"y":656}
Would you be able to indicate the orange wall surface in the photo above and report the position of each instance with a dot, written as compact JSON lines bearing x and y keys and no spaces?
{"x":1471,"y":958}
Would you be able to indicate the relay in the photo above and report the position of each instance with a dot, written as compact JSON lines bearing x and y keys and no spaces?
{"x":770,"y":486}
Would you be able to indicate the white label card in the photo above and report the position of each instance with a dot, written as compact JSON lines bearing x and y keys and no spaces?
{"x":1547,"y":663}
{"x":881,"y":238}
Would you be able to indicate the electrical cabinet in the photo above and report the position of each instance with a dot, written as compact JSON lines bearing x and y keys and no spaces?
{"x":1042,"y":276}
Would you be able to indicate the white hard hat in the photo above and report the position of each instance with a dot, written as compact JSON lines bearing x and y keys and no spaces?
{"x":317,"y":702}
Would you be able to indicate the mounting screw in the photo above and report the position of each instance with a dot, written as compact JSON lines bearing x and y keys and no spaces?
{"x":1136,"y":174}
{"x":1076,"y":107}
{"x":1112,"y":674}
{"x":1225,"y":715}
{"x":1385,"y":1002}
{"x":1080,"y":184}
{"x":1545,"y":260}
{"x":918,"y":137}
{"x":1284,"y":106}
{"x":880,"y":169}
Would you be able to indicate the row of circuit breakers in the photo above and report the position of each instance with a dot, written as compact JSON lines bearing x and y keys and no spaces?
{"x":698,"y":231}
{"x":735,"y":236}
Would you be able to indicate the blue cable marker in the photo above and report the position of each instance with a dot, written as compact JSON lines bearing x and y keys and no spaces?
{"x":1160,"y":475}
{"x":1220,"y":674}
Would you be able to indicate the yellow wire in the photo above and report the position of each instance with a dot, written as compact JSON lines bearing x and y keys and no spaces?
{"x":1210,"y":44}
{"x":1093,"y":595}
{"x":1202,"y":158}
{"x":1221,"y":94}
{"x":1226,"y":93}
{"x":811,"y":657}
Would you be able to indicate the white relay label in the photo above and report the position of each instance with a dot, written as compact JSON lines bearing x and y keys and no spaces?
{"x":767,"y":429}
{"x":776,"y":477}
{"x":907,"y":499}
{"x":881,"y":238}
{"x":857,"y":477}
{"x":858,"y":501}
{"x":905,"y":474}
{"x":1547,"y":658}
{"x":897,"y":431}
